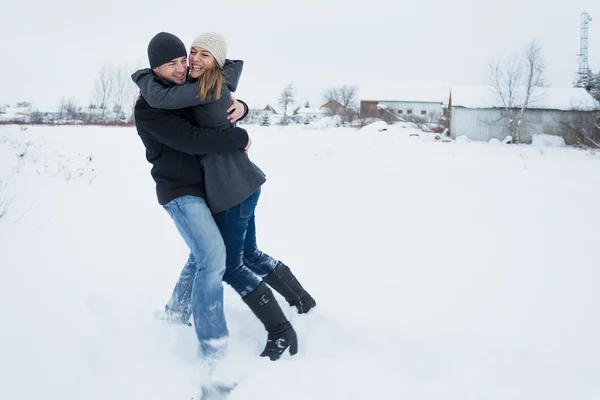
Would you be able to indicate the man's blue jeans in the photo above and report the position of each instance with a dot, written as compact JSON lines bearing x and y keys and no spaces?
{"x":199,"y":290}
{"x":246,"y":264}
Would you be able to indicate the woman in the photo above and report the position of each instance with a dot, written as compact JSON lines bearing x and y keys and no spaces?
{"x":232,"y":190}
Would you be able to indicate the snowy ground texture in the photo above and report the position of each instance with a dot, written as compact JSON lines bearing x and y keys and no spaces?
{"x":442,"y":270}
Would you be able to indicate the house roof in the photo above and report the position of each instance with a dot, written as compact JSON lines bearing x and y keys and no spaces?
{"x":332,"y":104}
{"x":269,"y":107}
{"x":547,"y":98}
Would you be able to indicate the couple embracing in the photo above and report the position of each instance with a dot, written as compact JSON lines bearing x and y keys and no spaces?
{"x":206,"y":182}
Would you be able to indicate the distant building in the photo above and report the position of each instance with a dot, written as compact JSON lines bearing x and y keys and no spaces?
{"x":332,"y":107}
{"x":297,"y":114}
{"x":478,"y":112}
{"x":270,"y":109}
{"x":401,"y":110}
{"x":20,"y":112}
{"x":396,"y":102}
{"x":306,"y":115}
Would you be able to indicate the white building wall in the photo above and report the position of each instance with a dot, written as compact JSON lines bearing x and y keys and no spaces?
{"x":432,"y":110}
{"x":476,"y":124}
{"x":483,"y":124}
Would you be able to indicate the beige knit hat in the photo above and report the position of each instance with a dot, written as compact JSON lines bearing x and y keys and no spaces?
{"x":215,"y":43}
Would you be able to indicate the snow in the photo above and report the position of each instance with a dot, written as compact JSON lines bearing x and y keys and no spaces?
{"x":376,"y":126}
{"x":548,"y":141}
{"x":326,"y":122}
{"x":507,"y":139}
{"x":442,"y":270}
{"x":550,"y":98}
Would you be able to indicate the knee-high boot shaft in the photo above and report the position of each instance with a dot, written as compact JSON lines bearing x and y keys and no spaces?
{"x":285,"y":283}
{"x":281,"y":334}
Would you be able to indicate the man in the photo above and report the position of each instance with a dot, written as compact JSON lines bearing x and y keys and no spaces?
{"x":172,"y":147}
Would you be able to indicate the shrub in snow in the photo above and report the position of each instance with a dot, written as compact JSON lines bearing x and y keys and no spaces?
{"x":495,"y":141}
{"x":265,"y":120}
{"x":548,"y":141}
{"x":508,"y":140}
{"x":462,"y":139}
{"x":26,"y":154}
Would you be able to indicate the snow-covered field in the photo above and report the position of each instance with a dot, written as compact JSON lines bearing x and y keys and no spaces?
{"x":442,"y":270}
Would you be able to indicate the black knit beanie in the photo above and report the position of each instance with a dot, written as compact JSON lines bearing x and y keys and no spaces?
{"x":165,"y":47}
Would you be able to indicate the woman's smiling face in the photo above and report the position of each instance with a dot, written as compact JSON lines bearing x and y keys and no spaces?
{"x":200,"y":61}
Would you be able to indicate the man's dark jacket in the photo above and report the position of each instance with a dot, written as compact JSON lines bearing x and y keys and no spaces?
{"x":174,"y":146}
{"x":230,"y":177}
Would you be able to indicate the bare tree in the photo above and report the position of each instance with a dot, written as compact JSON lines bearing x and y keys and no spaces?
{"x":346,"y":96}
{"x":72,"y":108}
{"x":120,"y":80}
{"x":124,"y":91}
{"x":515,"y":82}
{"x":332,"y":94}
{"x":69,"y":109}
{"x":285,"y":99}
{"x":333,"y":99}
{"x":505,"y":80}
{"x":534,"y":74}
{"x":103,"y":88}
{"x":348,"y":99}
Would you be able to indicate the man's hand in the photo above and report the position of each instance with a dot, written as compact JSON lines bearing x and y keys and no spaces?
{"x":237,"y":108}
{"x":248,"y":145}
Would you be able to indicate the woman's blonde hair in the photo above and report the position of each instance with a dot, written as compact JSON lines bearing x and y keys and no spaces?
{"x":211,"y":81}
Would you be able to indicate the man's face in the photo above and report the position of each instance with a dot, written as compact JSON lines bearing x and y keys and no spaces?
{"x":173,"y":71}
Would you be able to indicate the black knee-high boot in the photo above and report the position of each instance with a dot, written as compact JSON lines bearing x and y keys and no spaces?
{"x":281,"y":334}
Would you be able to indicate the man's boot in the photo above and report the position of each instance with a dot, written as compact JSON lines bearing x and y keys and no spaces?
{"x":281,"y":334}
{"x":286,"y":284}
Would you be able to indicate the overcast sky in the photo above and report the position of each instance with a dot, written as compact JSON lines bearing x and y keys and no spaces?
{"x":55,"y":49}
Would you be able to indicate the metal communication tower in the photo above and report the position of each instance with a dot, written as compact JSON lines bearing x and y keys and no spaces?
{"x":584,"y":73}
